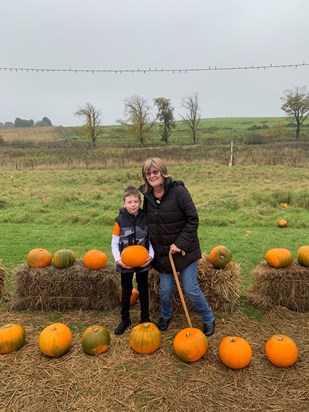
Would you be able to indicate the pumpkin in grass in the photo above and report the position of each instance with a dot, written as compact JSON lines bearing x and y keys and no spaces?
{"x":303,"y":256}
{"x":279,"y":257}
{"x":134,"y":256}
{"x":134,"y":297}
{"x":39,"y":258}
{"x":190,"y":344}
{"x":64,"y":258}
{"x":12,"y":337}
{"x":55,"y":340}
{"x":95,"y":259}
{"x":145,"y":338}
{"x":284,"y":205}
{"x":220,"y":256}
{"x":281,"y":350}
{"x":282,"y":223}
{"x":235,"y":352}
{"x":95,"y":340}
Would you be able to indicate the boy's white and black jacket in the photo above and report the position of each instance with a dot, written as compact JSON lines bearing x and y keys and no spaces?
{"x":130,"y":230}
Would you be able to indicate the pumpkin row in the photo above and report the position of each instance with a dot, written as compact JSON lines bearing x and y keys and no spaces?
{"x":282,"y":257}
{"x":190,"y":344}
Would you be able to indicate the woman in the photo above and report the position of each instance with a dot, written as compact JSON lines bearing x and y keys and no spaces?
{"x":173,"y":223}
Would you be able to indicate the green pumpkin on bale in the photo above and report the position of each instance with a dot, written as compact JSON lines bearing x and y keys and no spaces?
{"x":64,"y":258}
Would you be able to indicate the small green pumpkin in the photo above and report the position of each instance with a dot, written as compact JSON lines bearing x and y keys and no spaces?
{"x":64,"y":258}
{"x":95,"y":340}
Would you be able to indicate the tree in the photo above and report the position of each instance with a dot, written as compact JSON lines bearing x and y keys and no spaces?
{"x":139,"y":120}
{"x":296,"y":104}
{"x":192,"y":116}
{"x":166,"y":116}
{"x":23,"y":122}
{"x":44,"y":122}
{"x":92,"y":119}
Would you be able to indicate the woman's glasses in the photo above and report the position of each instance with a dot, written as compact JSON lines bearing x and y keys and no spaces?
{"x":153,"y":172}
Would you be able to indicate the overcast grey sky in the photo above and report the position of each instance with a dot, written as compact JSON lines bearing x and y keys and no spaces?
{"x":142,"y":34}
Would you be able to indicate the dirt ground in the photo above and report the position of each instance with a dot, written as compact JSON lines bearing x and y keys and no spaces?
{"x":122,"y":380}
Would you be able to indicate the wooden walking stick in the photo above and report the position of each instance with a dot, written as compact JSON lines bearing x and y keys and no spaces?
{"x":179,"y":287}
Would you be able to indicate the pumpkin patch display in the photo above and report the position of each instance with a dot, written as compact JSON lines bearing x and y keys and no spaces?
{"x":220,"y":256}
{"x":134,"y":256}
{"x":281,"y":350}
{"x":95,"y":340}
{"x":235,"y":352}
{"x":12,"y":337}
{"x":145,"y":338}
{"x":190,"y":344}
{"x":282,"y":223}
{"x":95,"y":259}
{"x":134,"y":297}
{"x":63,"y":258}
{"x":55,"y":340}
{"x":39,"y":258}
{"x":279,"y":257}
{"x":303,"y":256}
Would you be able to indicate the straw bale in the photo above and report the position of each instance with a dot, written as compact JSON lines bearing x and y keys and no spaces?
{"x":72,"y":288}
{"x":274,"y":287}
{"x":220,"y":287}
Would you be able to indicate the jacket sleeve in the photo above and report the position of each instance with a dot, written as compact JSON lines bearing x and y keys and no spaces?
{"x":189,"y":232}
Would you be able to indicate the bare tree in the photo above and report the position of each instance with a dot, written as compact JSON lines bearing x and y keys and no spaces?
{"x":92,"y":118}
{"x":139,"y":119}
{"x":166,"y":115}
{"x":192,"y":116}
{"x":296,"y":104}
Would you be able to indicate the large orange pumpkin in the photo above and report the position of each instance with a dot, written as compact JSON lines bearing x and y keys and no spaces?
{"x":12,"y":337}
{"x":55,"y":340}
{"x":95,"y":259}
{"x":39,"y":258}
{"x":281,"y":350}
{"x":145,"y":338}
{"x":235,"y":352}
{"x":134,"y":256}
{"x":95,"y":340}
{"x":190,"y":344}
{"x":220,"y":256}
{"x":303,"y":256}
{"x":134,"y":297}
{"x":279,"y":257}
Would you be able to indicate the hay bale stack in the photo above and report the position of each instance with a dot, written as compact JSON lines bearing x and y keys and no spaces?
{"x":220,"y":287}
{"x":2,"y":281}
{"x":72,"y":288}
{"x":273,"y":287}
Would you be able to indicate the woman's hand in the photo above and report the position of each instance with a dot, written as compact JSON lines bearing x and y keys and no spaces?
{"x":174,"y":249}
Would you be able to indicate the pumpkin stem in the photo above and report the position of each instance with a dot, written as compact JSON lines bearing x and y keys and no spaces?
{"x":188,"y":334}
{"x":280,"y":338}
{"x":53,"y":328}
{"x":232,"y":339}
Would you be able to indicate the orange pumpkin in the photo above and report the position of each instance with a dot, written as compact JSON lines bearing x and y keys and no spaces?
{"x":134,"y":256}
{"x":282,"y":223}
{"x":281,"y":350}
{"x":95,"y":259}
{"x":303,"y":256}
{"x":145,"y":338}
{"x":235,"y":352}
{"x":12,"y":337}
{"x":95,"y":340}
{"x":279,"y":257}
{"x":134,"y":297}
{"x":55,"y":340}
{"x":284,"y":205}
{"x":220,"y":256}
{"x":190,"y":344}
{"x":39,"y":258}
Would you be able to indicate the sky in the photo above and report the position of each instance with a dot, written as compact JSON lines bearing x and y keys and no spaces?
{"x":121,"y":35}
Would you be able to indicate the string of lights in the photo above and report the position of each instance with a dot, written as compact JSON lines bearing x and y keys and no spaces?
{"x":155,"y":70}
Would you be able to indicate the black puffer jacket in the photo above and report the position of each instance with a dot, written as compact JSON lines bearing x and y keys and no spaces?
{"x":173,"y":219}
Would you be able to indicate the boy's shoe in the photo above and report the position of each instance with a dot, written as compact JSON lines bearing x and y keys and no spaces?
{"x":163,"y":323}
{"x":209,"y":328}
{"x":123,"y":325}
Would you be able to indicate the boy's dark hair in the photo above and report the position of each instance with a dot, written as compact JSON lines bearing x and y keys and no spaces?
{"x":131,"y":191}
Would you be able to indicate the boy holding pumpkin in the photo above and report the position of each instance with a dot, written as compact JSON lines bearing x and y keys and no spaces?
{"x":130,"y":229}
